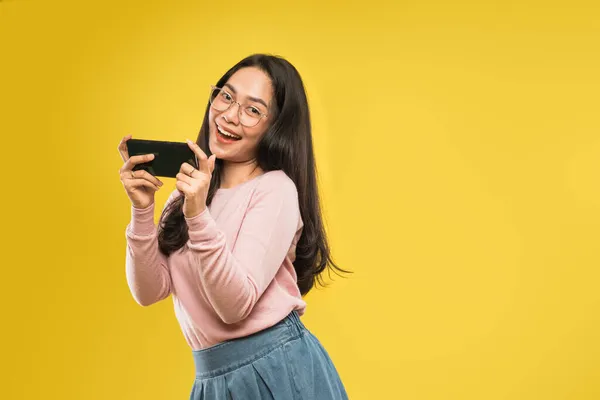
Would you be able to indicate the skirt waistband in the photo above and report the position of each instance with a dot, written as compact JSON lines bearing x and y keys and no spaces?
{"x":232,"y":354}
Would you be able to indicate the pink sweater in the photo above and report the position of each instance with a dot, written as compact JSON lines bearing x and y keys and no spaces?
{"x":234,"y":276}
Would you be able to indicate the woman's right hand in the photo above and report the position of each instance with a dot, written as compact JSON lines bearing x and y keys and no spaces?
{"x":140,"y":185}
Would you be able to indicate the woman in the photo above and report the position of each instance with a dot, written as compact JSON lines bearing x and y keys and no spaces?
{"x":240,"y":240}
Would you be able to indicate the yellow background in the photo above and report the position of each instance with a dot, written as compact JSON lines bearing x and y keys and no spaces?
{"x":459,"y":151}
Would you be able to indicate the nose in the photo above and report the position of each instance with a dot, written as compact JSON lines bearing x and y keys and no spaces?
{"x":232,"y":113}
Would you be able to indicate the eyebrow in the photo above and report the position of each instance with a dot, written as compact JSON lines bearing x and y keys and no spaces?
{"x":255,"y":99}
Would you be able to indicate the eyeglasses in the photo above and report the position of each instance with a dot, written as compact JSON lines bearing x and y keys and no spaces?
{"x":221,"y":100}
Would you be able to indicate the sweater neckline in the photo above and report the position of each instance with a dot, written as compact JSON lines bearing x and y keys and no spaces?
{"x":239,"y":185}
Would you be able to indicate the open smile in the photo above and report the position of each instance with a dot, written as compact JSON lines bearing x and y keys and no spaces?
{"x":226,"y":135}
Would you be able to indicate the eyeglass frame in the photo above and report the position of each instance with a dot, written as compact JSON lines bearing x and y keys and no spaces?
{"x":210,"y":100}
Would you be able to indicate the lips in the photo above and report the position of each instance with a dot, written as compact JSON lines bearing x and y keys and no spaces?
{"x":227,"y":134}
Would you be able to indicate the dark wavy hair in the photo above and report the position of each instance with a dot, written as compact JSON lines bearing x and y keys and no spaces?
{"x":287,"y":145}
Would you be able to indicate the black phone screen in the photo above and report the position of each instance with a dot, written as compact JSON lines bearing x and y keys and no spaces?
{"x":168,"y":156}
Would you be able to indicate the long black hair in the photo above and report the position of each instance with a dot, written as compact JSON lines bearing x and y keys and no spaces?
{"x":287,"y":145}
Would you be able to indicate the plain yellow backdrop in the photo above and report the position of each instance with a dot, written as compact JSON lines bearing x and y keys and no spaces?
{"x":458,"y":145}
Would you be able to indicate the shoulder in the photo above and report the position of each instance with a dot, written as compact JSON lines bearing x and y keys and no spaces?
{"x":277,"y":182}
{"x":276,"y":194}
{"x":275,"y":188}
{"x":172,"y":197}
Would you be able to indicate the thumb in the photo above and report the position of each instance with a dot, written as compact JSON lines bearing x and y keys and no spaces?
{"x":211,"y":163}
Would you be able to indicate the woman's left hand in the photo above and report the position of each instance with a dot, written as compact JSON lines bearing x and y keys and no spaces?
{"x":194,"y":183}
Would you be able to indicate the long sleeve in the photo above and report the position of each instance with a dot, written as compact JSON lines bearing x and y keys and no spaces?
{"x":147,"y":272}
{"x":235,"y":279}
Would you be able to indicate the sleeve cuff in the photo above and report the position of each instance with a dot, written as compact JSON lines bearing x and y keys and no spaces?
{"x":142,"y":220}
{"x":202,"y":227}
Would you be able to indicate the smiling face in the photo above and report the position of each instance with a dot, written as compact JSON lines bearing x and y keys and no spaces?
{"x":230,"y":136}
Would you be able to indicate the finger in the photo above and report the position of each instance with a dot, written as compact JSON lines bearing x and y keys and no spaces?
{"x":127,"y":174}
{"x":187,"y":169}
{"x":184,"y":178}
{"x":211,"y":163}
{"x":201,"y":156}
{"x":182,"y":187}
{"x":135,"y":160}
{"x":123,"y":148}
{"x":138,"y":183}
{"x":142,"y":174}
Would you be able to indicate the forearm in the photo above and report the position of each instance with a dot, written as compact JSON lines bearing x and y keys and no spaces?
{"x":235,"y":278}
{"x":146,"y":267}
{"x":230,"y":289}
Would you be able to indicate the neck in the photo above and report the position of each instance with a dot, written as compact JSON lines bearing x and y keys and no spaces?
{"x":235,"y":173}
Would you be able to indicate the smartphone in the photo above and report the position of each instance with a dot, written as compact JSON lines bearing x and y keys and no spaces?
{"x":168,"y":156}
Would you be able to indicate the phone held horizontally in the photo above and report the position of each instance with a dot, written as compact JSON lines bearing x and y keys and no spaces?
{"x":168,"y":156}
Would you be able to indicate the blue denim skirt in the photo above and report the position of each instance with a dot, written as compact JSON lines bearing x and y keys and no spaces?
{"x":284,"y":362}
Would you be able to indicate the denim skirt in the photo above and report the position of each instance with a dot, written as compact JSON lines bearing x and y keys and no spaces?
{"x":283,"y":362}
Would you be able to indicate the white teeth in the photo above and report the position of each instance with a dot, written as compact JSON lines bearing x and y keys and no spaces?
{"x":227,"y":134}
